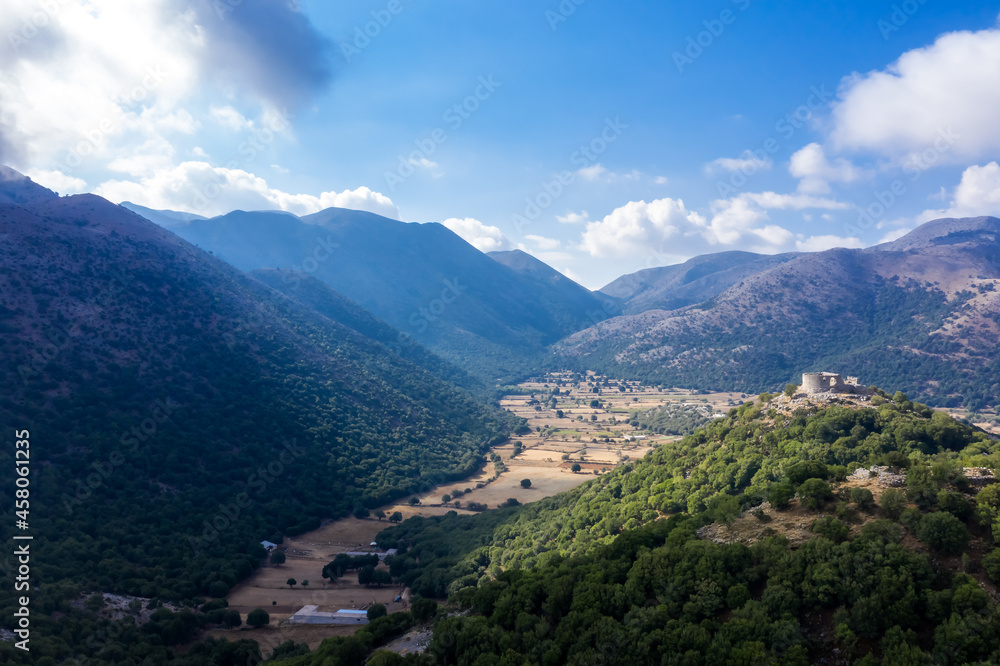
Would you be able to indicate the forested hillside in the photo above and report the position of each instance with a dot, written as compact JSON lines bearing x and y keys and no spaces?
{"x":921,"y":314}
{"x":601,"y":575}
{"x":180,"y":412}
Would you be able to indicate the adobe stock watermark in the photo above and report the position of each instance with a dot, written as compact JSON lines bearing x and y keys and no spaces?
{"x":256,"y":484}
{"x":900,"y":16}
{"x":785,"y":128}
{"x":60,"y":338}
{"x":699,"y":43}
{"x":363,"y":36}
{"x":255,"y":142}
{"x":94,"y":139}
{"x":134,"y":438}
{"x":426,"y":315}
{"x":587,"y":155}
{"x":562,"y":13}
{"x":454,"y":116}
{"x":323,"y":249}
{"x":32,"y":25}
{"x":914,"y":168}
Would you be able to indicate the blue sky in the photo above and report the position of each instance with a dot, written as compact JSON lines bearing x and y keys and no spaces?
{"x":602,"y":137}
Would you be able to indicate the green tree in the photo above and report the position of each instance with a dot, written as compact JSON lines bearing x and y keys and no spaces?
{"x":376,"y":611}
{"x":863,"y":498}
{"x":525,"y":483}
{"x":893,"y":501}
{"x":413,"y":501}
{"x":831,"y":528}
{"x":943,"y":532}
{"x":232,"y":619}
{"x":424,"y":609}
{"x":277,"y":558}
{"x":724,"y":508}
{"x":814,"y":493}
{"x":366,"y":575}
{"x":380,"y":514}
{"x":258,"y":618}
{"x":290,"y":583}
{"x":991,"y":564}
{"x":790,"y":389}
{"x":780,"y":494}
{"x":446,"y":498}
{"x":396,"y":517}
{"x":576,"y":467}
{"x":385,"y":658}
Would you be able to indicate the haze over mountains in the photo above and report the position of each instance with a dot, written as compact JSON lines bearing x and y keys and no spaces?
{"x":420,"y":278}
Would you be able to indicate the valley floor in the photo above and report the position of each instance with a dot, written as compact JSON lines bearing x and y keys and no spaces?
{"x":546,"y":459}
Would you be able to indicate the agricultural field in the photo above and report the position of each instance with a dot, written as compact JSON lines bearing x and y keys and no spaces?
{"x":566,"y":431}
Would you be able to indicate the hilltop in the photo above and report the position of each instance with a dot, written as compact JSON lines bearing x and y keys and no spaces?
{"x":634,"y":567}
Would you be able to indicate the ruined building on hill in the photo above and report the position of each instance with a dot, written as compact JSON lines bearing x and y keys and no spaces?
{"x":814,"y":383}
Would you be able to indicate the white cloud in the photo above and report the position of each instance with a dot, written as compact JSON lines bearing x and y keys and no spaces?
{"x":792,"y":201}
{"x":544,"y":244}
{"x":979,"y":191}
{"x":639,"y":226}
{"x":574,"y":218}
{"x":124,"y":70}
{"x":58,"y":181}
{"x":423,"y":162}
{"x":895,"y":234}
{"x":483,"y":237}
{"x":230,"y":117}
{"x":977,"y":194}
{"x":820,"y":243}
{"x":945,"y":92}
{"x":592,"y":172}
{"x":198,"y":187}
{"x":740,"y":220}
{"x":815,"y":171}
{"x":748,"y":163}
{"x":662,"y":180}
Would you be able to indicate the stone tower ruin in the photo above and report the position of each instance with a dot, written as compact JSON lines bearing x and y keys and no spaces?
{"x":830,"y":382}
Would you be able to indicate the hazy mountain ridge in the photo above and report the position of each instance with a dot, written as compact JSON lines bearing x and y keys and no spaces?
{"x":921,"y":313}
{"x":420,"y":278}
{"x":694,"y":281}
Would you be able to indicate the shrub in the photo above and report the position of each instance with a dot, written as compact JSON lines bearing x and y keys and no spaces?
{"x":943,"y":532}
{"x":893,"y":502}
{"x":814,"y":493}
{"x":831,"y":528}
{"x":258,"y":618}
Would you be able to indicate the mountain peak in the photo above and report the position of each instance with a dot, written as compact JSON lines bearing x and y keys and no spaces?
{"x":17,"y":189}
{"x":946,"y":231}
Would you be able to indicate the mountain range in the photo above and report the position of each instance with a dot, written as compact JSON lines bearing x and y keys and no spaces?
{"x":495,"y":317}
{"x":920,"y":313}
{"x":166,"y":389}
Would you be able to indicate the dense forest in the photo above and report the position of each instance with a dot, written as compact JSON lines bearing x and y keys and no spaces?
{"x":601,"y":574}
{"x":180,"y":412}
